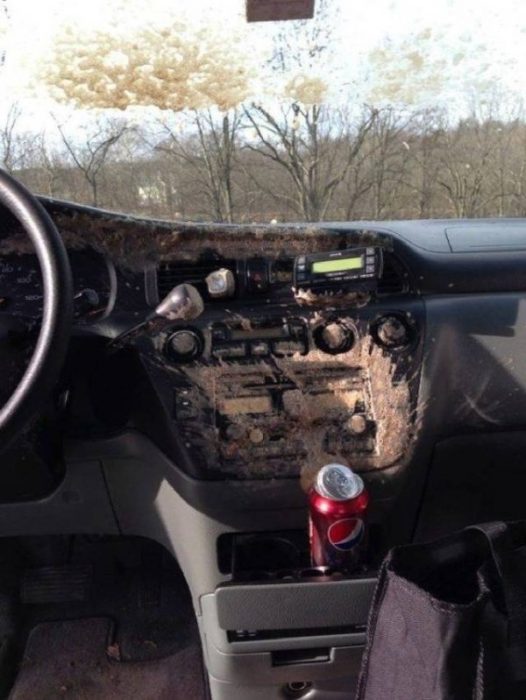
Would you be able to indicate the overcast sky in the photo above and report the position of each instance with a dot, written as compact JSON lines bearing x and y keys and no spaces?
{"x":420,"y":51}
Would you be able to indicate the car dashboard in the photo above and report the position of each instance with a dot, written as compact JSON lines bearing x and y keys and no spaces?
{"x":269,"y":382}
{"x":205,"y":435}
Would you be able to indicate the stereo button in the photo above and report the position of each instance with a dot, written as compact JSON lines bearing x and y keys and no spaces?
{"x":256,"y":436}
{"x":234,"y":350}
{"x":288,"y":347}
{"x":260,"y":349}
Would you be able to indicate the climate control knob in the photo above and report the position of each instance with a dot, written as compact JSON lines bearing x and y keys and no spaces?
{"x":334,"y":337}
{"x":184,"y":344}
{"x":392,"y":332}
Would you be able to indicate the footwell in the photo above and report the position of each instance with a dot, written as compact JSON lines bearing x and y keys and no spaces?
{"x":95,"y":619}
{"x":73,"y":659}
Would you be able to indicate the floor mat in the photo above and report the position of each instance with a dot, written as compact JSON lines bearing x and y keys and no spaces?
{"x":134,"y":583}
{"x":72,"y":659}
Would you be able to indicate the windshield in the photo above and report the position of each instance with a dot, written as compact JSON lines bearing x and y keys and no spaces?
{"x":391,"y":109}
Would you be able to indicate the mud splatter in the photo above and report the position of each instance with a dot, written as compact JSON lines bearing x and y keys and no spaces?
{"x":331,"y":299}
{"x":289,"y":416}
{"x":132,"y":242}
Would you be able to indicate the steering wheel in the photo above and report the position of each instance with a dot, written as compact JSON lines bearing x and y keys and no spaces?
{"x":46,"y":361}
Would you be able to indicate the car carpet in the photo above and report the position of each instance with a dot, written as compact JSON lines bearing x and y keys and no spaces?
{"x":134,"y":585}
{"x":73,"y":659}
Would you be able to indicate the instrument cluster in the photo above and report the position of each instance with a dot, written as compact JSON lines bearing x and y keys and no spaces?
{"x":21,"y":292}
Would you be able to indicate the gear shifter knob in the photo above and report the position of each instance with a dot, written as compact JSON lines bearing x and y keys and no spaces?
{"x":183,"y":303}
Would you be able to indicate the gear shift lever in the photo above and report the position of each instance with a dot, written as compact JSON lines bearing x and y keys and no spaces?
{"x":183,"y":303}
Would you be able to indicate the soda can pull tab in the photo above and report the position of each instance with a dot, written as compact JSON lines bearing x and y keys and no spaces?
{"x":338,"y":482}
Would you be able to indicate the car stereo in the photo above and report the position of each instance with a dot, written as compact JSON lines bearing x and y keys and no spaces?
{"x":356,"y":269}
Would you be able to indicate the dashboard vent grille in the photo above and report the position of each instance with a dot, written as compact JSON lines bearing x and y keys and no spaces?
{"x":394,"y":279}
{"x":171,"y":272}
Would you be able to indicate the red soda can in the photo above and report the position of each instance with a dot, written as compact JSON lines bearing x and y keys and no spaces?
{"x":338,"y":504}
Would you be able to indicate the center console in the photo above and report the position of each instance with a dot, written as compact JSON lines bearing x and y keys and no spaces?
{"x":277,"y":391}
{"x":283,"y":622}
{"x":266,"y":389}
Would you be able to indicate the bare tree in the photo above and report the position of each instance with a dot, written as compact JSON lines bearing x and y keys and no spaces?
{"x":211,"y":154}
{"x":517,"y":170}
{"x":357,"y":185}
{"x":16,"y":146}
{"x":316,"y":146}
{"x":90,"y":151}
{"x":466,"y":155}
{"x":388,"y":157}
{"x":48,"y":166}
{"x":421,"y":142}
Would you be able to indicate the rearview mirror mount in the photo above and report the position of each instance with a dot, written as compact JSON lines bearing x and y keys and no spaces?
{"x":279,"y":10}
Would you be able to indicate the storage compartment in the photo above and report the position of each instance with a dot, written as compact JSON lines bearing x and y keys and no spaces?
{"x":473,"y":479}
{"x":291,"y":657}
{"x":291,"y":607}
{"x":279,"y":621}
{"x":287,"y":629}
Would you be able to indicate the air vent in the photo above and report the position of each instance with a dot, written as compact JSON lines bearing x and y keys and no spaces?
{"x":171,"y":272}
{"x":394,"y":279}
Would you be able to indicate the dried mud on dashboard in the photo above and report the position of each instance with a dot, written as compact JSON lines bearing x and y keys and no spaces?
{"x":282,"y":415}
{"x":331,"y":300}
{"x":244,"y":431}
{"x":132,"y":242}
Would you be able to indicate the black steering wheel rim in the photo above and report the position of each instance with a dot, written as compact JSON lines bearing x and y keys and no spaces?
{"x":48,"y":355}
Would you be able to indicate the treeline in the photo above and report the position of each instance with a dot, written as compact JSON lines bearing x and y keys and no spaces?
{"x":283,"y":163}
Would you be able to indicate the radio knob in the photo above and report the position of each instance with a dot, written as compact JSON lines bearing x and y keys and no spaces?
{"x":334,"y":338}
{"x":357,"y":424}
{"x":392,"y":332}
{"x":184,"y":344}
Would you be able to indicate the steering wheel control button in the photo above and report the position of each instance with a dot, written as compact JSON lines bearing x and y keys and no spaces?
{"x":221,"y":283}
{"x":392,"y":332}
{"x":334,"y":338}
{"x":184,"y":345}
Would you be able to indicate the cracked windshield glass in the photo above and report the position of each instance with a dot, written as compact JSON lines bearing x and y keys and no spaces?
{"x":392,"y":109}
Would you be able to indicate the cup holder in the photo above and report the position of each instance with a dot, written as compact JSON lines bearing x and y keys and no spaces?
{"x":276,"y":557}
{"x":257,"y":576}
{"x":315,"y":572}
{"x":265,"y":553}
